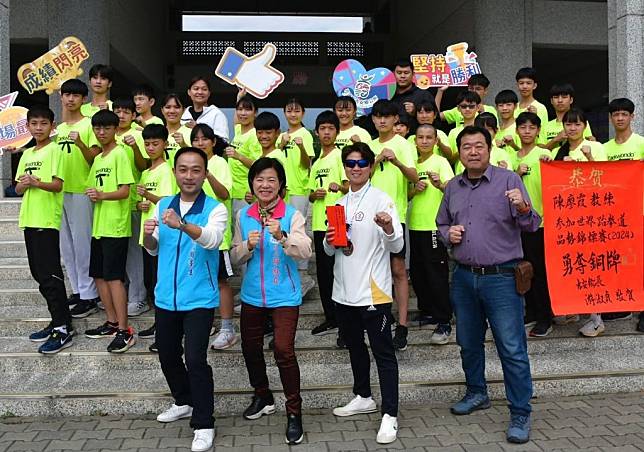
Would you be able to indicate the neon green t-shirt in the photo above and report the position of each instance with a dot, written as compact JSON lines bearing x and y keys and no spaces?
{"x":509,"y":130}
{"x":154,"y":120}
{"x":552,"y":129}
{"x":297,"y":178}
{"x":76,"y":167}
{"x":442,"y":136}
{"x":278,"y":155}
{"x":497,"y":155}
{"x":218,"y":167}
{"x":248,"y":146}
{"x":325,"y":170}
{"x":159,"y":181}
{"x":596,"y":150}
{"x":454,"y":116}
{"x":89,"y":110}
{"x":425,"y":204}
{"x":135,"y":131}
{"x":631,"y":149}
{"x":451,"y":138}
{"x":41,"y":208}
{"x":344,"y":136}
{"x":173,"y":146}
{"x":542,"y":113}
{"x":532,"y":179}
{"x":387,"y":177}
{"x":111,"y":218}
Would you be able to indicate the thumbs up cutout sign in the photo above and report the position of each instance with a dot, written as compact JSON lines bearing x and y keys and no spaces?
{"x":255,"y":73}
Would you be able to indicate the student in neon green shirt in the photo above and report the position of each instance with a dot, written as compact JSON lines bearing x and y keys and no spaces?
{"x":243,"y":151}
{"x":218,"y":185}
{"x":426,"y":113}
{"x":144,"y":99}
{"x":78,"y":146}
{"x":477,"y":83}
{"x":345,"y":109}
{"x":402,"y":126}
{"x":297,"y":145}
{"x":529,"y":159}
{"x":178,"y":134}
{"x":506,"y":137}
{"x":498,"y":156}
{"x":394,"y":167}
{"x":576,"y":148}
{"x":627,"y":145}
{"x":100,"y":81}
{"x":108,"y":185}
{"x":327,"y":184}
{"x":155,"y":183}
{"x":267,"y":129}
{"x":39,"y":180}
{"x":561,"y":97}
{"x":428,"y":264}
{"x":526,"y":84}
{"x":468,"y":103}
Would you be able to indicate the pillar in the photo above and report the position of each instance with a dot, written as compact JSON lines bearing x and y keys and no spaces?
{"x":5,"y":82}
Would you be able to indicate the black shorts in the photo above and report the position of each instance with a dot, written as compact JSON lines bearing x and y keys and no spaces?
{"x":107,"y":259}
{"x":403,"y":251}
{"x":225,"y":267}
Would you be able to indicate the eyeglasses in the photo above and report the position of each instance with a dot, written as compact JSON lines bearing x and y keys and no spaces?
{"x":467,"y":106}
{"x":362,"y":163}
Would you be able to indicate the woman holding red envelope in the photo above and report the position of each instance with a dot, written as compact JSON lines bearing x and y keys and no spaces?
{"x":362,"y":287}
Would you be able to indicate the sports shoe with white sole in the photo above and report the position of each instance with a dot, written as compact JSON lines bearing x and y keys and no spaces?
{"x":388,"y":430}
{"x":359,"y":405}
{"x":203,"y":439}
{"x":225,"y":339}
{"x":137,"y":308}
{"x":592,"y":329}
{"x":174,"y":413}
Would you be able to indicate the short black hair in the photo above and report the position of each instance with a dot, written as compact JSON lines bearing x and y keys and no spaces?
{"x":194,"y":150}
{"x":267,"y":121}
{"x":327,"y":117}
{"x":474,"y":130}
{"x":126,"y":103}
{"x":526,"y":72}
{"x":205,"y":130}
{"x":404,"y":119}
{"x":562,"y":89}
{"x":506,"y":96}
{"x":102,"y":70}
{"x":528,"y":116}
{"x":105,"y":118}
{"x":621,"y":104}
{"x":478,"y":80}
{"x":143,"y":90}
{"x":468,"y":96}
{"x":574,"y":115}
{"x":294,"y":101}
{"x":404,"y":62}
{"x":363,"y":149}
{"x":246,"y":102}
{"x":74,"y":86}
{"x":427,"y":105}
{"x":385,"y":107}
{"x":40,"y":111}
{"x":486,"y":119}
{"x":344,"y":101}
{"x":155,"y":131}
{"x":199,"y":78}
{"x":170,"y":97}
{"x":264,"y":163}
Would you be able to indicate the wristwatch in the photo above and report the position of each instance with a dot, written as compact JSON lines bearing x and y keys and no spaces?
{"x":182,"y":224}
{"x":283,"y":239}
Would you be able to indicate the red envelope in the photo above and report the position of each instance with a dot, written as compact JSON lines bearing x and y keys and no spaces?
{"x":336,"y":219}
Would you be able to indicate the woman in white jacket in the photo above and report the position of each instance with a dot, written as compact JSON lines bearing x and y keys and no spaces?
{"x":362,"y":288}
{"x":202,"y":113}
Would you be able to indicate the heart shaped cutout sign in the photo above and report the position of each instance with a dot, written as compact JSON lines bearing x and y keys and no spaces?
{"x":350,"y":78}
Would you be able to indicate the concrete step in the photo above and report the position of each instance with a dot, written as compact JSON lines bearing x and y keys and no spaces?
{"x":12,"y":248}
{"x":9,"y":229}
{"x":10,"y":208}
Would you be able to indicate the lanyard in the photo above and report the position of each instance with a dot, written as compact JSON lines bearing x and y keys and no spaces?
{"x":346,"y":207}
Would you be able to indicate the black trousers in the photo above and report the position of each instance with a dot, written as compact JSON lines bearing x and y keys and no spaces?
{"x":429,"y":272}
{"x":43,"y":255}
{"x":190,"y":383}
{"x":150,"y":265}
{"x":537,"y":299}
{"x":324,"y":264}
{"x":352,"y":321}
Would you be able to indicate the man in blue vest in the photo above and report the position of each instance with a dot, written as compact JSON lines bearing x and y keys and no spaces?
{"x":185,"y":232}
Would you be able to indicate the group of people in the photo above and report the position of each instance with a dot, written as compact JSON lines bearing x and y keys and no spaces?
{"x":165,"y":210}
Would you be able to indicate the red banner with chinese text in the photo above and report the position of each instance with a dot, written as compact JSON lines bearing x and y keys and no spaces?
{"x":593,"y":220}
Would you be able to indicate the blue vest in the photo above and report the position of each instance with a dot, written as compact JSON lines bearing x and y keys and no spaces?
{"x":271,"y":278}
{"x":187,"y":274}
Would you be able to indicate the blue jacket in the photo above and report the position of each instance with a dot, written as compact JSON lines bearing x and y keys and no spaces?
{"x":187,"y":274}
{"x":271,"y":278}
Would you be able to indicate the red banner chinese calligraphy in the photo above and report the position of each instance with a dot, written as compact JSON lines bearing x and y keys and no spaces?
{"x":593,"y":219}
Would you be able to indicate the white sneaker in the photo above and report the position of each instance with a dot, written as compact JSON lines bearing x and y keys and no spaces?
{"x":203,"y":439}
{"x":100,"y":305}
{"x":592,"y":329}
{"x":358,"y":405}
{"x":388,"y":430}
{"x":237,"y":308}
{"x":225,"y":339}
{"x":306,"y":282}
{"x":565,"y":319}
{"x":174,"y":413}
{"x":137,"y":308}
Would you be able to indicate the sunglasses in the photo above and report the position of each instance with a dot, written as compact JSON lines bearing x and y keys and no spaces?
{"x":362,"y":163}
{"x":467,"y":106}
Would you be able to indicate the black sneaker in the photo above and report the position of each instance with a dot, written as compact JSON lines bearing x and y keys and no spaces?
{"x":424,"y":319}
{"x":615,"y":316}
{"x":42,"y":335}
{"x":122,"y":342}
{"x":84,"y":308}
{"x":107,"y":329}
{"x":271,"y":344}
{"x":57,"y":342}
{"x":294,"y":431}
{"x":540,"y":329}
{"x":640,"y":324}
{"x":73,"y":300}
{"x":339,"y":342}
{"x":153,"y":348}
{"x":400,"y":338}
{"x":148,"y":333}
{"x":259,"y":407}
{"x":323,"y":328}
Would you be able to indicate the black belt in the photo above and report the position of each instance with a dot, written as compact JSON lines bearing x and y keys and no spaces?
{"x":488,"y":270}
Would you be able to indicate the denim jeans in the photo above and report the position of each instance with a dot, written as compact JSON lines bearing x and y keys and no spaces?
{"x":476,"y":298}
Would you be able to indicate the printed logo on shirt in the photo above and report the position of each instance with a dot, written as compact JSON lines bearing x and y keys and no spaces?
{"x":359,"y":216}
{"x":100,"y":174}
{"x":151,"y":186}
{"x":623,"y":156}
{"x":32,"y":166}
{"x":321,"y":174}
{"x":65,"y":144}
